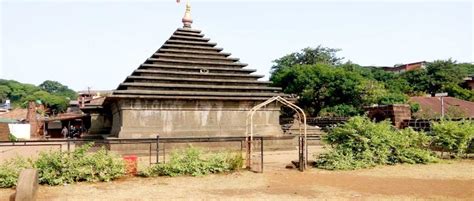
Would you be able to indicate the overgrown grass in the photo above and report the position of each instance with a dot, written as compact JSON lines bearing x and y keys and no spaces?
{"x":361,"y":143}
{"x":56,"y":168}
{"x":192,"y":161}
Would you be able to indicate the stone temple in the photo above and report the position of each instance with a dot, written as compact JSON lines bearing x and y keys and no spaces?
{"x":189,"y":87}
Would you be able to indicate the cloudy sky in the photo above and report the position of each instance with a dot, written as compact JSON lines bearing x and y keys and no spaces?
{"x":98,"y":43}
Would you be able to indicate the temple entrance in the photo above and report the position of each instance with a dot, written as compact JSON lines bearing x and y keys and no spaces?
{"x":253,"y":154}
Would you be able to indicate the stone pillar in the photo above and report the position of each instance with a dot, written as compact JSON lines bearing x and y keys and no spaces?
{"x":27,"y":185}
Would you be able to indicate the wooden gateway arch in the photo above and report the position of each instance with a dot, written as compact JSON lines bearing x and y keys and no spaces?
{"x":301,"y":117}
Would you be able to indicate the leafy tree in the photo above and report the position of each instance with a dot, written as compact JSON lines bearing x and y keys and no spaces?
{"x":17,"y":90}
{"x":320,"y":85}
{"x":372,"y":91}
{"x":54,"y":102}
{"x":308,"y":56}
{"x":442,"y":73}
{"x":56,"y":88}
{"x":342,"y":110}
{"x":418,"y":79}
{"x":4,"y":92}
{"x":467,"y":68}
{"x":459,"y":92}
{"x":393,"y":98}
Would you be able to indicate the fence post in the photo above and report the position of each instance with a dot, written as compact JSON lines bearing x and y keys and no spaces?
{"x":300,"y":153}
{"x":306,"y":152}
{"x":157,"y":149}
{"x":68,"y":146}
{"x":261,"y":154}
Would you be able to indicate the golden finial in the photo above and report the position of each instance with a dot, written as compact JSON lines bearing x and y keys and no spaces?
{"x":187,"y":20}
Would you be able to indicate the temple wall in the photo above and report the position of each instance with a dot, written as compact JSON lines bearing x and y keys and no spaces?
{"x":190,"y":118}
{"x":100,"y":123}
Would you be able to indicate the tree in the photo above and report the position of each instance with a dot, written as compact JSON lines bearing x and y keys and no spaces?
{"x":56,"y":88}
{"x":4,"y":93}
{"x":308,"y":56}
{"x":459,"y":92}
{"x":418,"y":79}
{"x":468,"y":68}
{"x":372,"y":91}
{"x":320,"y":85}
{"x":54,"y":102}
{"x":20,"y":93}
{"x":17,"y":90}
{"x":442,"y":73}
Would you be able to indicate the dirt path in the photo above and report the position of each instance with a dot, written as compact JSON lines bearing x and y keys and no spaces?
{"x":444,"y":181}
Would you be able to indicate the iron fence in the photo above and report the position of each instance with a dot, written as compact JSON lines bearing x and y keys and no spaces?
{"x":155,"y":145}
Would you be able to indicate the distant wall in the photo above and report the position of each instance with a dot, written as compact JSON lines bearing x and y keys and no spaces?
{"x":100,"y":123}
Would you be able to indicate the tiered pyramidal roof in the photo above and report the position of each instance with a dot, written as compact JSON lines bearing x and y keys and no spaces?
{"x":188,"y":66}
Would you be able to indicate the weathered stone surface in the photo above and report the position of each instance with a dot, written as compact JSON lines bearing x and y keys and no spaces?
{"x":188,"y":118}
{"x":27,"y":186}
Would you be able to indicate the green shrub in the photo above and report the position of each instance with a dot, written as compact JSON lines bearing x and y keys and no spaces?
{"x":59,"y":168}
{"x":10,"y":170}
{"x":56,"y":168}
{"x":361,"y":143}
{"x":453,"y":136}
{"x":192,"y":161}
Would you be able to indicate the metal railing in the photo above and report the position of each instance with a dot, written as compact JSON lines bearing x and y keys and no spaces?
{"x":158,"y":143}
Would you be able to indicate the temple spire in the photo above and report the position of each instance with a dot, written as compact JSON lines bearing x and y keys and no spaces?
{"x":187,"y":20}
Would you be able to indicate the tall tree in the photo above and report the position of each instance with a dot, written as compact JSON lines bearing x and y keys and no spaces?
{"x":308,"y":56}
{"x":319,"y":86}
{"x":56,"y":88}
{"x":442,"y":73}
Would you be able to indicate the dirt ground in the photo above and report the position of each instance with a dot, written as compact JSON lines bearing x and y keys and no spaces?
{"x":449,"y":180}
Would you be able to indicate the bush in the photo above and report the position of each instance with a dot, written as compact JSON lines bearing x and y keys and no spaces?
{"x":453,"y":136}
{"x":10,"y":170}
{"x":361,"y":143}
{"x":341,"y":110}
{"x":191,"y":161}
{"x":57,"y":168}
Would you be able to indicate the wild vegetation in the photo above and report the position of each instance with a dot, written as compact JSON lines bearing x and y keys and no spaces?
{"x":57,"y":168}
{"x":325,"y":86}
{"x":454,"y":137}
{"x":362,"y":143}
{"x":52,"y":93}
{"x":194,"y":162}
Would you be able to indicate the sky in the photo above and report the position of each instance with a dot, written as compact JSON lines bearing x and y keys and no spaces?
{"x":98,"y":43}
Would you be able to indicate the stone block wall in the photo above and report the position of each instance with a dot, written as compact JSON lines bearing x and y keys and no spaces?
{"x":397,"y":113}
{"x":134,"y":118}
